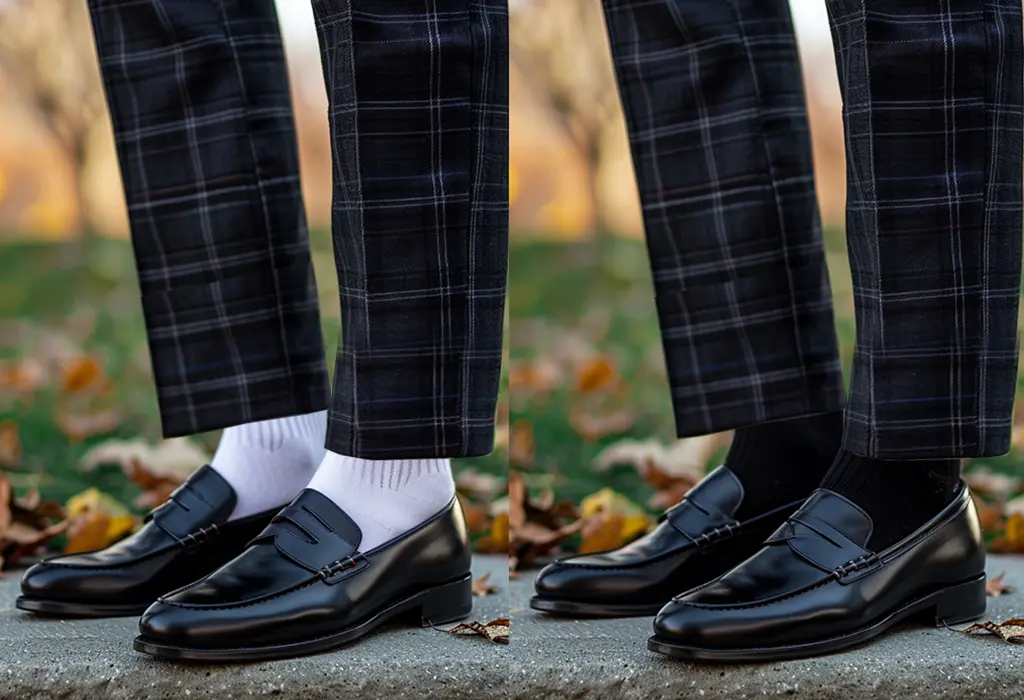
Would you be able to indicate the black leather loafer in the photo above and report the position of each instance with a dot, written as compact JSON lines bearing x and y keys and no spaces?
{"x":697,"y":540}
{"x":302,"y":586}
{"x":183,"y":540}
{"x":815,"y":588}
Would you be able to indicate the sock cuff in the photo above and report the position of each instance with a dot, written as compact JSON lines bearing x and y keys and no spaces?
{"x":272,"y":434}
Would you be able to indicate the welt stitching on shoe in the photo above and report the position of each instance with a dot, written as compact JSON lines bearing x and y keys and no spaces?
{"x":112,"y":567}
{"x":761,"y":604}
{"x":626,"y":567}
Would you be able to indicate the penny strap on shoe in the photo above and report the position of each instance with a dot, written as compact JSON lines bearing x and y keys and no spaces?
{"x":200,"y":504}
{"x":829,"y":532}
{"x":707,"y":510}
{"x":314,"y":533}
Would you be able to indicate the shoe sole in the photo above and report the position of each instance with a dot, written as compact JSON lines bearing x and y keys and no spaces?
{"x":58,"y":608}
{"x":570,"y":608}
{"x":451,"y":602}
{"x":954,"y":605}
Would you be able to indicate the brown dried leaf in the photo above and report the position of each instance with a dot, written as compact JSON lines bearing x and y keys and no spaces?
{"x":480,"y":485}
{"x":97,"y":521}
{"x":495,"y":631}
{"x":1012,"y":541}
{"x":482,"y":586}
{"x":989,"y":484}
{"x":596,"y":373}
{"x":1011,"y":630}
{"x":594,"y":427}
{"x":82,"y":374}
{"x":79,"y":426}
{"x":522,"y":450}
{"x":6,"y":496}
{"x":533,"y":378}
{"x":995,"y":586}
{"x":497,"y":541}
{"x":10,"y":445}
{"x":991,"y":515}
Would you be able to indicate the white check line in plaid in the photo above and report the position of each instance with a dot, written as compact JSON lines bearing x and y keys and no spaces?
{"x":199,"y":97}
{"x":933,"y":108}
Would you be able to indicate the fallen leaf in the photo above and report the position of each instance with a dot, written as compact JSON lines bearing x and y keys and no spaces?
{"x":522,"y":451}
{"x":97,"y":521}
{"x":610,"y":521}
{"x":81,"y":374}
{"x":174,"y":459}
{"x":989,"y":484}
{"x":532,"y":378}
{"x":482,"y":586}
{"x":495,"y":631}
{"x":1014,"y":507}
{"x":10,"y":445}
{"x":79,"y":426}
{"x":596,"y":373}
{"x":6,"y":516}
{"x":594,"y":427}
{"x":480,"y":485}
{"x":995,"y":587}
{"x":25,"y":525}
{"x":1009,"y":631}
{"x":1012,"y":540}
{"x":991,"y":515}
{"x":23,"y":378}
{"x":497,"y":542}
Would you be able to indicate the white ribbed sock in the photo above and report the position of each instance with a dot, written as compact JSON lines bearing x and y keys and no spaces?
{"x":385,"y":497}
{"x":268,"y":462}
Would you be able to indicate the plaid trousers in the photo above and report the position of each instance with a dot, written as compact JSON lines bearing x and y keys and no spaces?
{"x":418,"y":91}
{"x":717,"y":120}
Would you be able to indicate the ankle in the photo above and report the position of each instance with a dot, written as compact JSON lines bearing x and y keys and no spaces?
{"x":898,"y":495}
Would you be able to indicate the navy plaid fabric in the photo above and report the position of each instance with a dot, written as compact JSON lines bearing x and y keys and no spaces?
{"x":713,"y":99}
{"x":419,"y":115}
{"x":714,"y":104}
{"x":933,"y":110}
{"x":199,"y":97}
{"x":202,"y":116}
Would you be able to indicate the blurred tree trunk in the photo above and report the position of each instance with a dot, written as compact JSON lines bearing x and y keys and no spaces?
{"x":47,"y":52}
{"x":561,"y":48}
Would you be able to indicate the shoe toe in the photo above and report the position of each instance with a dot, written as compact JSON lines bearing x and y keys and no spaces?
{"x":167,"y":624}
{"x":61,"y":581}
{"x":680,"y":623}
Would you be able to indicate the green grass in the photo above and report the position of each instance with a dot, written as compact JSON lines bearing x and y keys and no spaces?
{"x":560,"y":292}
{"x":85,"y":294}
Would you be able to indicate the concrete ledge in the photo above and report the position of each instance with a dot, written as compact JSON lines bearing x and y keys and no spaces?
{"x":93,"y":660}
{"x":600,"y":660}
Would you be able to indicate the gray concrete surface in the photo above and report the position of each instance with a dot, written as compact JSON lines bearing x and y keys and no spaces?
{"x":93,"y":659}
{"x":601,"y":660}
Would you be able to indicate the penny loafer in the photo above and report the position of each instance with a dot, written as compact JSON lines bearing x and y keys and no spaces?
{"x":302,"y":586}
{"x":816,"y":588}
{"x":183,"y":540}
{"x":695,"y":541}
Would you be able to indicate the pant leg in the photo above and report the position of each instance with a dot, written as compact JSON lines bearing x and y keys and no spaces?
{"x":419,"y":118}
{"x":933,"y":110}
{"x":198,"y":92}
{"x":714,"y":104}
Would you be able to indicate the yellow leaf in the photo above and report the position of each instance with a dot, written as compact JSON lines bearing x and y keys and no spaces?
{"x":97,"y":521}
{"x":632,"y":521}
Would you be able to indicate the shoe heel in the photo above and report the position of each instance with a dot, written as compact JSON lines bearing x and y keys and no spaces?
{"x":448,"y":603}
{"x":961,"y":603}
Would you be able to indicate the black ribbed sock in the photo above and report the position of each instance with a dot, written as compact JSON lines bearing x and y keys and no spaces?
{"x":899,"y":495}
{"x":783,"y":461}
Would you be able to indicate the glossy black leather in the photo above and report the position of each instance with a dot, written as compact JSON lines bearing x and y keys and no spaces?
{"x":816,"y":580}
{"x":697,"y":540}
{"x":182,"y":540}
{"x":303,"y":579}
